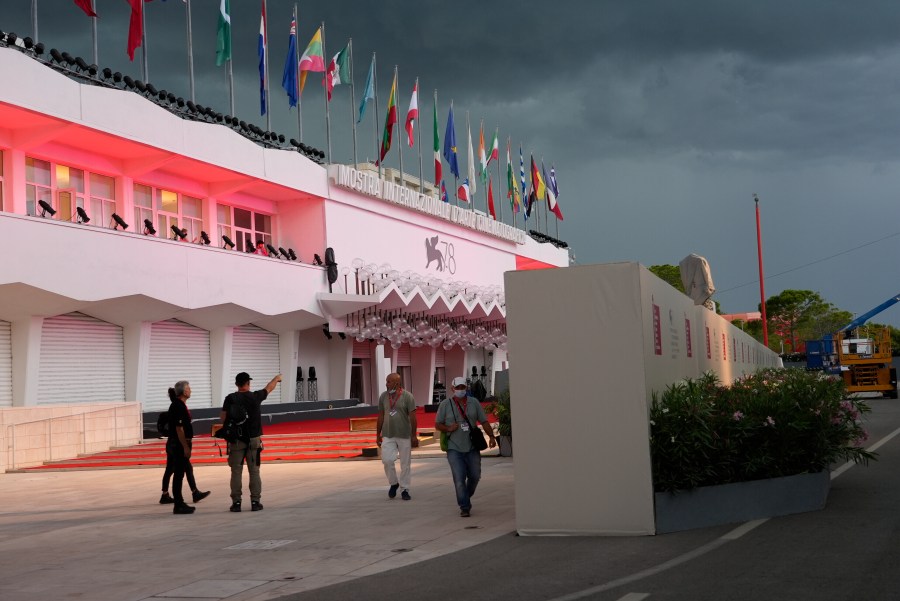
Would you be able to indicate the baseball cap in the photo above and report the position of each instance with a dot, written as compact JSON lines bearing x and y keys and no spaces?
{"x":242,"y":378}
{"x":460,"y":381}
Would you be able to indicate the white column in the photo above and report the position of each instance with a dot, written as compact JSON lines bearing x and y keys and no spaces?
{"x":288,"y":349}
{"x":137,"y":359}
{"x":382,"y":367}
{"x":14,"y":181}
{"x":26,"y":360}
{"x":221,"y":341}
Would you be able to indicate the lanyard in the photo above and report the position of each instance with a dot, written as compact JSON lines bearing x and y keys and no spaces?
{"x":462,"y":408}
{"x":393,"y":399}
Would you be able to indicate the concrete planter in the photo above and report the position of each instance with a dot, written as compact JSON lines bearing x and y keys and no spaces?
{"x":505,"y":444}
{"x":740,"y":501}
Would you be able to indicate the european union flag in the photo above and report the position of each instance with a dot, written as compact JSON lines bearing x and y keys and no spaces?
{"x":450,"y":145}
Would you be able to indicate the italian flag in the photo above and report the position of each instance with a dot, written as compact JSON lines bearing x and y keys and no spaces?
{"x":495,"y":150}
{"x":390,"y":121}
{"x":312,"y":59}
{"x":437,"y":148}
{"x":482,"y":161}
{"x":338,"y":70}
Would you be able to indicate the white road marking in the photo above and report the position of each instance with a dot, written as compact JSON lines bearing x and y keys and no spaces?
{"x":634,"y":597}
{"x":699,"y":551}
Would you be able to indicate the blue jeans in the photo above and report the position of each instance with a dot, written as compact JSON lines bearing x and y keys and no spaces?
{"x":466,"y":470}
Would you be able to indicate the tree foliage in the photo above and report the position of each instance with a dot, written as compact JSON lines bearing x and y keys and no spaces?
{"x":793,"y":315}
{"x":670,"y":274}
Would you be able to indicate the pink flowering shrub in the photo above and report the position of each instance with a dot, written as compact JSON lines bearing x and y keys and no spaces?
{"x":776,"y":422}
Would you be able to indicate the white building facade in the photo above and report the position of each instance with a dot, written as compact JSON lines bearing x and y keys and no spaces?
{"x":94,"y":312}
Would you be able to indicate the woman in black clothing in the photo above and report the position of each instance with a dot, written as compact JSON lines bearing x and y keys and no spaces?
{"x":178,"y":447}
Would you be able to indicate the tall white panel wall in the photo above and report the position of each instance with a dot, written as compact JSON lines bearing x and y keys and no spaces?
{"x":590,"y":345}
{"x":5,"y":364}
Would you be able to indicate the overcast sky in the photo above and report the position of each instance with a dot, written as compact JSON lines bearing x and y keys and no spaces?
{"x":662,"y":118}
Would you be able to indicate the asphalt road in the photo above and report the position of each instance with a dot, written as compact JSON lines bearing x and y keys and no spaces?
{"x":848,"y":551}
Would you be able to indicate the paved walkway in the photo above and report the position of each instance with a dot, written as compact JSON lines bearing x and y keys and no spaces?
{"x":101,"y":535}
{"x":329,"y":533}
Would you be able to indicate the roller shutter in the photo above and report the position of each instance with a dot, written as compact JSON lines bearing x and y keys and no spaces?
{"x":178,"y":351}
{"x":362,"y":350}
{"x":404,"y":357}
{"x":255,"y":351}
{"x":439,"y":357}
{"x":82,"y":361}
{"x":5,"y":364}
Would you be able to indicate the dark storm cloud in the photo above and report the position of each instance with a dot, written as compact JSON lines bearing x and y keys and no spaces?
{"x":662,"y":117}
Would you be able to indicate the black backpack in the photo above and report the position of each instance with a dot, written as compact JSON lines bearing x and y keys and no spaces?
{"x":162,"y":424}
{"x":234,"y":428}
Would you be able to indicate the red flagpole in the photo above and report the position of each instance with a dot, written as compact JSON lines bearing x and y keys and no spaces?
{"x":762,"y":287}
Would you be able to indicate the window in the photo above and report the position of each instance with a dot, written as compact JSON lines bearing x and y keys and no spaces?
{"x":66,"y":188}
{"x":243,"y":226}
{"x":166,"y":208}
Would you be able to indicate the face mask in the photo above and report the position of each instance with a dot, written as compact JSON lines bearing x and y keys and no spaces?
{"x":392,"y":390}
{"x":460,"y":394}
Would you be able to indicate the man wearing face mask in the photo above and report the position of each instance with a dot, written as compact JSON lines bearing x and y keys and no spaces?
{"x":456,"y":415}
{"x":396,"y":434}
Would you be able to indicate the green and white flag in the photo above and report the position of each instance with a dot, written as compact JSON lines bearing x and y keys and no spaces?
{"x":223,"y":34}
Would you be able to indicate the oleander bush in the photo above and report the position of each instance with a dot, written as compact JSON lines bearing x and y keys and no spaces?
{"x":774,"y":423}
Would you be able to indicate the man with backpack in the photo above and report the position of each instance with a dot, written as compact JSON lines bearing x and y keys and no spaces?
{"x":241,"y":414}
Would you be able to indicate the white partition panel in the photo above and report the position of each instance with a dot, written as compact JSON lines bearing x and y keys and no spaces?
{"x":589,"y":345}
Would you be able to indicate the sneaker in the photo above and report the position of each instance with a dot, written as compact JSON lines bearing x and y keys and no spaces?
{"x":183,"y":509}
{"x":165,"y":499}
{"x":235,"y":507}
{"x":200,"y":495}
{"x":392,"y":491}
{"x":256,"y":506}
{"x":405,"y":495}
{"x":463,"y":513}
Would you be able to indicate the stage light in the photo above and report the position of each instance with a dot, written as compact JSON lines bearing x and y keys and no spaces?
{"x":129,"y":83}
{"x":180,"y":102}
{"x":151,"y":89}
{"x":292,"y":255}
{"x":29,"y":43}
{"x":140,"y":86}
{"x":82,"y":216}
{"x":248,"y":245}
{"x":11,"y":38}
{"x":295,"y":143}
{"x":107,"y":72}
{"x":317,"y":260}
{"x":191,"y":106}
{"x":68,"y":58}
{"x":46,"y":208}
{"x":228,"y":242}
{"x":149,"y":230}
{"x":55,"y":55}
{"x":204,"y":237}
{"x":342,"y":335}
{"x":82,"y":64}
{"x":179,"y":233}
{"x":119,"y":222}
{"x":281,"y":138}
{"x":326,"y":331}
{"x":284,"y":253}
{"x":162,"y":94}
{"x":272,"y":251}
{"x":39,"y":48}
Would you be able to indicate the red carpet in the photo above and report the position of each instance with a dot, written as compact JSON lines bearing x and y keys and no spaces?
{"x":313,"y":440}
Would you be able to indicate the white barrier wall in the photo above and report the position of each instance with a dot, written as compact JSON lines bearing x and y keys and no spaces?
{"x":588,"y":346}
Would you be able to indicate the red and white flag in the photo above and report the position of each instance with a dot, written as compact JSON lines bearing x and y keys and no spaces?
{"x":463,"y":192}
{"x":413,"y":113}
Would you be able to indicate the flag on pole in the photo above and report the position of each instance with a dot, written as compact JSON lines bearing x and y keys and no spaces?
{"x":553,"y":194}
{"x":412,"y":113}
{"x":538,"y":187}
{"x":522,"y":185}
{"x":495,"y":150}
{"x":223,"y":33}
{"x":136,"y":26}
{"x":512,"y":191}
{"x":289,"y":75}
{"x":444,"y":192}
{"x":263,"y":41}
{"x":482,"y":160}
{"x":85,"y":5}
{"x":389,"y":121}
{"x":463,"y":192}
{"x":491,"y":198}
{"x":338,"y":70}
{"x":368,"y":92}
{"x":312,"y":59}
{"x":450,"y":144}
{"x":437,"y":148}
{"x":471,"y":158}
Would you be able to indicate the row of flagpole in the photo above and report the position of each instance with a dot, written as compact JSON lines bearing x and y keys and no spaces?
{"x":339,"y":71}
